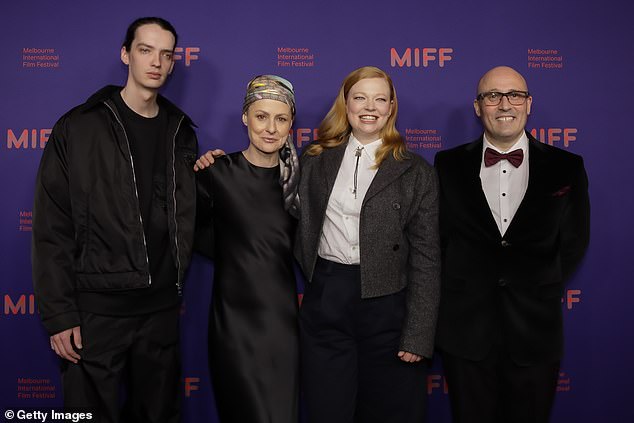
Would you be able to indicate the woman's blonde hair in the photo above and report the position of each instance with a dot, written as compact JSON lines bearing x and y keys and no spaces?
{"x":335,"y":128}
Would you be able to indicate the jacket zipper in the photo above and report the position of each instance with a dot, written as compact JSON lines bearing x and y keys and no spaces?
{"x":136,"y":192}
{"x":179,"y":284}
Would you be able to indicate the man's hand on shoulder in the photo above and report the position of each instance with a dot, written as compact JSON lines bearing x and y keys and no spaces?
{"x":208,"y":159}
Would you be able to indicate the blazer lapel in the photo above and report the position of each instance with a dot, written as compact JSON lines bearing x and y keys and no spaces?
{"x":388,"y":172}
{"x":331,"y":161}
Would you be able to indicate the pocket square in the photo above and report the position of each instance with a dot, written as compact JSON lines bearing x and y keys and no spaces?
{"x":563,"y":191}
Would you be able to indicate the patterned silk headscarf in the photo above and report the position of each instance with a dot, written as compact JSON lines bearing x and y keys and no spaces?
{"x":273,"y":87}
{"x":270,"y":87}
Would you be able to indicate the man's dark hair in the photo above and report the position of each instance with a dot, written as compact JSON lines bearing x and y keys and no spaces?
{"x":131,"y":32}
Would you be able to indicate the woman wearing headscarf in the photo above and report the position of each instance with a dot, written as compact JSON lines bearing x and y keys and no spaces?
{"x":368,"y":244}
{"x":244,"y":222}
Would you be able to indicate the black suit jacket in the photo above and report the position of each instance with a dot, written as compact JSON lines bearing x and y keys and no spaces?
{"x":398,"y":235}
{"x":506,"y":291}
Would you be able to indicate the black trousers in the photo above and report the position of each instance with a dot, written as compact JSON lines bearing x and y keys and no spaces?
{"x":129,"y":369}
{"x":349,"y":346}
{"x":496,"y":390}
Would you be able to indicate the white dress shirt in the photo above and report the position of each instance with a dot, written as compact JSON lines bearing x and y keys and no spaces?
{"x":339,"y":240}
{"x":503,"y":184}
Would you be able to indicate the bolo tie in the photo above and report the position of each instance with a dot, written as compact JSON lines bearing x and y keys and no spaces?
{"x":357,"y":153}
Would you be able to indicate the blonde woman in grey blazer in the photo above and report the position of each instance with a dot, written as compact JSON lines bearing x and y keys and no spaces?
{"x":368,"y":245}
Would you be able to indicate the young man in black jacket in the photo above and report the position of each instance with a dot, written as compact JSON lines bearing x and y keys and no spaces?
{"x":113,"y":227}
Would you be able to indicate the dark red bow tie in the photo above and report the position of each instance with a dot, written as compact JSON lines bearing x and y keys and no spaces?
{"x":514,"y":157}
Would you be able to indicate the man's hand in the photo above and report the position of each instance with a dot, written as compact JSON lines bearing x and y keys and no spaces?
{"x":208,"y":159}
{"x":409,"y":357}
{"x":62,"y":344}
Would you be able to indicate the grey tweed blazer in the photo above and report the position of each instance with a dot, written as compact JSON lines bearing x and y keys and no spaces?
{"x":398,"y":235}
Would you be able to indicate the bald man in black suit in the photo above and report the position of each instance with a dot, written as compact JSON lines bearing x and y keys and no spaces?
{"x":514,"y":216}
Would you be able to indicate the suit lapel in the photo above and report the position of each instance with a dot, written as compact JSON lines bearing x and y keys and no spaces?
{"x":537,"y":160}
{"x":472,"y":189}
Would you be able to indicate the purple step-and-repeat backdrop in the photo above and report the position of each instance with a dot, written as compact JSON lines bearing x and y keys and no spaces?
{"x":577,"y":57}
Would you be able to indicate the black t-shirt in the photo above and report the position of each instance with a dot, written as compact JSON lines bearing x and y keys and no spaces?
{"x":149,"y":147}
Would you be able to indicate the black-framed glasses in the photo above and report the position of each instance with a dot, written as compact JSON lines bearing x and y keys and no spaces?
{"x":493,"y":98}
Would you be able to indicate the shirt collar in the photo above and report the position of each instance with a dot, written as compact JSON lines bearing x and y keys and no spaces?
{"x":369,"y":150}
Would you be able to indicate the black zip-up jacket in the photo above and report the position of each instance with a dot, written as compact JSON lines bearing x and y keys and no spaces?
{"x":87,"y":229}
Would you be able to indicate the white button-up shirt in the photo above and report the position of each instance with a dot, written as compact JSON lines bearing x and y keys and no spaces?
{"x":339,"y":240}
{"x":504,"y":185}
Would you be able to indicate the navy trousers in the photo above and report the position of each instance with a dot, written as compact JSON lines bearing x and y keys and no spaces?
{"x":349,"y":346}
